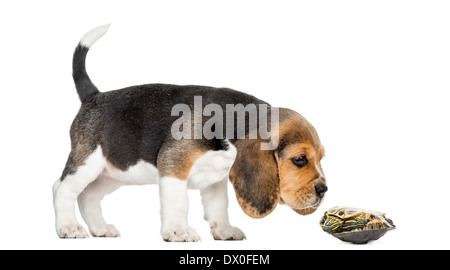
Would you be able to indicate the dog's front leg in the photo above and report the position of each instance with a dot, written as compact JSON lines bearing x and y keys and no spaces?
{"x":215,"y":205}
{"x":174,"y":211}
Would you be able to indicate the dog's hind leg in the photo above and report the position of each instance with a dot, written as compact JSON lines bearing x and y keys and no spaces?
{"x":67,"y":189}
{"x":90,"y":208}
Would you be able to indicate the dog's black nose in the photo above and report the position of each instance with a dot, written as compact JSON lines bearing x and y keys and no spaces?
{"x":320,"y":190}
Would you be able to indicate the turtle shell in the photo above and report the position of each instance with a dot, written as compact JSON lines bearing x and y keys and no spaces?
{"x":355,"y":225}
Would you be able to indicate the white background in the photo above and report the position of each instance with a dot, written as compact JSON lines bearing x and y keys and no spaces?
{"x":371,"y":76}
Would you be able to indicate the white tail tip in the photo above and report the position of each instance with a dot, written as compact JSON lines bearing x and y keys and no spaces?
{"x":92,"y":36}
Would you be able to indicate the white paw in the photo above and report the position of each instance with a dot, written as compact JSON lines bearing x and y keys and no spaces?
{"x":72,"y":231}
{"x":108,"y":230}
{"x":226,"y":232}
{"x":180,"y":234}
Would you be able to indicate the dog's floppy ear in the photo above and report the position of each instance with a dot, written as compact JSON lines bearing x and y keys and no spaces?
{"x":254,"y":176}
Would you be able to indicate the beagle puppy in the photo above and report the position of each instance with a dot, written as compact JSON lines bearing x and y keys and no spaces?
{"x":126,"y":137}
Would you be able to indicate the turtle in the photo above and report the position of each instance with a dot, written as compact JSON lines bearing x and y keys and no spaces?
{"x":358,"y":226}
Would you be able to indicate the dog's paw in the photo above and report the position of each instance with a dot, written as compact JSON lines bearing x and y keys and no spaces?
{"x":180,"y":234}
{"x":226,"y":232}
{"x":108,"y":230}
{"x":72,"y":231}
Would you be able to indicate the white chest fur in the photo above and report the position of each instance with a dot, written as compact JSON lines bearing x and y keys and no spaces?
{"x":210,"y":168}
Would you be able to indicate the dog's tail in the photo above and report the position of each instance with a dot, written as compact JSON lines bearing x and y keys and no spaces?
{"x":85,"y":88}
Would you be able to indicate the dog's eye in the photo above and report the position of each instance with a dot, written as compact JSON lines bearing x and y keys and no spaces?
{"x":300,"y":161}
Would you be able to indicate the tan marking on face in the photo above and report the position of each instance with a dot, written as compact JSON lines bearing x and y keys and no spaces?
{"x":261,"y":179}
{"x":297,"y":185}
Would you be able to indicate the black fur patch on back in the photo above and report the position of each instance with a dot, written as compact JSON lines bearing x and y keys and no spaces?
{"x":132,"y":123}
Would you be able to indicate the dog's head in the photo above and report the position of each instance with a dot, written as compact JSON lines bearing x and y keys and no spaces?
{"x":291,"y":174}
